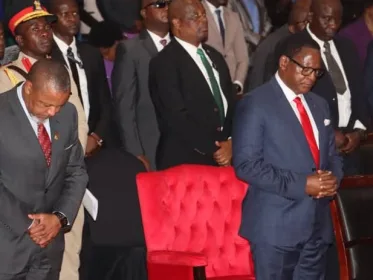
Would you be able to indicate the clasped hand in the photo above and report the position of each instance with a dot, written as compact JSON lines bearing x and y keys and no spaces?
{"x":321,"y":184}
{"x":223,"y":155}
{"x":44,"y":228}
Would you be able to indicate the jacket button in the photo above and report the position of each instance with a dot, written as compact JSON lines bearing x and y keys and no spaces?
{"x":216,"y":110}
{"x":218,"y":129}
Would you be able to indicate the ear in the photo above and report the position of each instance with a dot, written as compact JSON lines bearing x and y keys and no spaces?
{"x":143,"y":13}
{"x":28,"y":87}
{"x":309,"y":17}
{"x":176,"y":23}
{"x":19,"y":40}
{"x":283,"y":62}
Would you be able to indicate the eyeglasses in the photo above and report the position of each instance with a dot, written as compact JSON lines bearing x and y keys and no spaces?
{"x":306,"y":71}
{"x":161,"y":4}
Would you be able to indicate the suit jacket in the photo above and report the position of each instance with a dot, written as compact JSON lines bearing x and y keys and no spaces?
{"x":6,"y":84}
{"x":271,"y":153}
{"x":251,"y":37}
{"x":98,"y":88}
{"x":264,"y":63}
{"x":187,"y":114}
{"x":134,"y":108}
{"x":27,"y":185}
{"x":368,"y":81}
{"x":116,"y":170}
{"x":325,"y":87}
{"x":234,"y":48}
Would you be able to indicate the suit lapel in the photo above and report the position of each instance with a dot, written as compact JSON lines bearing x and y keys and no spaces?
{"x":24,"y":125}
{"x":288,"y":116}
{"x":148,"y":43}
{"x":229,"y":27}
{"x":57,"y":54}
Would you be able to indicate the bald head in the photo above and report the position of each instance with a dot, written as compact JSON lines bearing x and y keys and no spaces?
{"x":51,"y":74}
{"x":326,"y":18}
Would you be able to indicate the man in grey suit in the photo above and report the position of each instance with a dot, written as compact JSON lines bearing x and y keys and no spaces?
{"x":254,"y":18}
{"x":43,"y":177}
{"x":135,"y":111}
{"x":264,"y":63}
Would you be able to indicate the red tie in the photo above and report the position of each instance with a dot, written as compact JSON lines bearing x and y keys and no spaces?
{"x":45,"y":142}
{"x":308,"y":131}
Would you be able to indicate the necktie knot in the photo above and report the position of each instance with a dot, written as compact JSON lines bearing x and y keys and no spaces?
{"x":70,"y":52}
{"x":200,"y":52}
{"x":327,"y":46}
{"x":218,"y":12}
{"x":163,"y":42}
{"x":297,"y":100}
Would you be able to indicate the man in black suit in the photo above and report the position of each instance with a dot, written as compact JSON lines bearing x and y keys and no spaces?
{"x":88,"y":72}
{"x":342,"y":84}
{"x":192,"y":92}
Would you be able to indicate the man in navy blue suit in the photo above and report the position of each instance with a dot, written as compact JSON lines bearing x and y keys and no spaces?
{"x":284,"y":147}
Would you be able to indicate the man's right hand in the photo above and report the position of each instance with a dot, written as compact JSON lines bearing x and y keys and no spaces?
{"x":145,"y":162}
{"x":321,"y":184}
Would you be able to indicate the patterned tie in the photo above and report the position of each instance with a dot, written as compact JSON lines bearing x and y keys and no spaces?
{"x":221,"y":25}
{"x":214,"y":85}
{"x":74,"y":70}
{"x":334,"y":70}
{"x":163,"y":42}
{"x":308,"y":131}
{"x":45,"y":143}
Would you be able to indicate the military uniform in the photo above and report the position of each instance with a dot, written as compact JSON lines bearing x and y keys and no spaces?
{"x":14,"y":73}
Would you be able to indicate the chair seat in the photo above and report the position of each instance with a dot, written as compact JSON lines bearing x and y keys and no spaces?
{"x":233,"y":277}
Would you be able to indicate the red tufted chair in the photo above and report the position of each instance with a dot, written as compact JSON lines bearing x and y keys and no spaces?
{"x":191,"y":216}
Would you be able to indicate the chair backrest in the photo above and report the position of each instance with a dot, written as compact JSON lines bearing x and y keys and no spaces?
{"x":194,"y":208}
{"x":353,"y":222}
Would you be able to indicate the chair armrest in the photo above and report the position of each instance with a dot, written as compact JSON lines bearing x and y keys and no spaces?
{"x":177,"y":258}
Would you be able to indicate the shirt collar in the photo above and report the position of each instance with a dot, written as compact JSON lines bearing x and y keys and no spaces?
{"x":212,"y":8}
{"x":289,"y":94}
{"x":157,"y":38}
{"x":191,"y":49}
{"x":63,"y":46}
{"x":315,"y":38}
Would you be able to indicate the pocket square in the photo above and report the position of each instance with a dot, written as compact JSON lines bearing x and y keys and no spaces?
{"x":69,"y":147}
{"x":326,"y":122}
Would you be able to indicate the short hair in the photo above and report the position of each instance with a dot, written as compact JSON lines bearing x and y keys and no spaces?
{"x":51,"y":73}
{"x":104,"y":34}
{"x":293,"y":44}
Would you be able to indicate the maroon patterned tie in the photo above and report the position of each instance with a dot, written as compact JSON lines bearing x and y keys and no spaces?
{"x":163,"y":42}
{"x":45,"y":143}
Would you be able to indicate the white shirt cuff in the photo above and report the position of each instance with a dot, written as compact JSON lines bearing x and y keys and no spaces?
{"x":359,"y":125}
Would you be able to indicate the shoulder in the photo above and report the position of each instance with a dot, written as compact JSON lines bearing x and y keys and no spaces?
{"x":89,"y":49}
{"x":344,"y":42}
{"x":320,"y":101}
{"x":130,"y":45}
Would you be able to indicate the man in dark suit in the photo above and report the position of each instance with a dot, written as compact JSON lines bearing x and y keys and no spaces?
{"x":135,"y":113}
{"x":192,"y":93}
{"x":88,"y":72}
{"x":342,"y":84}
{"x":43,"y":177}
{"x":264,"y":63}
{"x":284,"y":147}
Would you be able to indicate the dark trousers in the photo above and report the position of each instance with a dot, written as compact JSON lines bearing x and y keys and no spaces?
{"x":39,"y":269}
{"x":303,"y":262}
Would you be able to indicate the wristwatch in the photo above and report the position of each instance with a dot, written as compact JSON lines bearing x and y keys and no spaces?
{"x":63,"y":220}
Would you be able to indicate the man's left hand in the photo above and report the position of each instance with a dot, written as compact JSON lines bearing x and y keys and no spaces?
{"x":45,"y":230}
{"x":92,"y":146}
{"x":223,"y":156}
{"x":353,"y":142}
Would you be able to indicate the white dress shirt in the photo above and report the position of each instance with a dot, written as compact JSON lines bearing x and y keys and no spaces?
{"x":33,"y":120}
{"x":213,"y":9}
{"x":82,"y":76}
{"x":192,"y":50}
{"x":344,"y":100}
{"x":157,"y":40}
{"x":290,"y":96}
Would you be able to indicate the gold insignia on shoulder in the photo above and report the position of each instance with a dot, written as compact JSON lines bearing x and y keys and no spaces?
{"x":37,"y":5}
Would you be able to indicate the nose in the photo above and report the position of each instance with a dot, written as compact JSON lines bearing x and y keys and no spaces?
{"x":52,"y":111}
{"x":45,"y":32}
